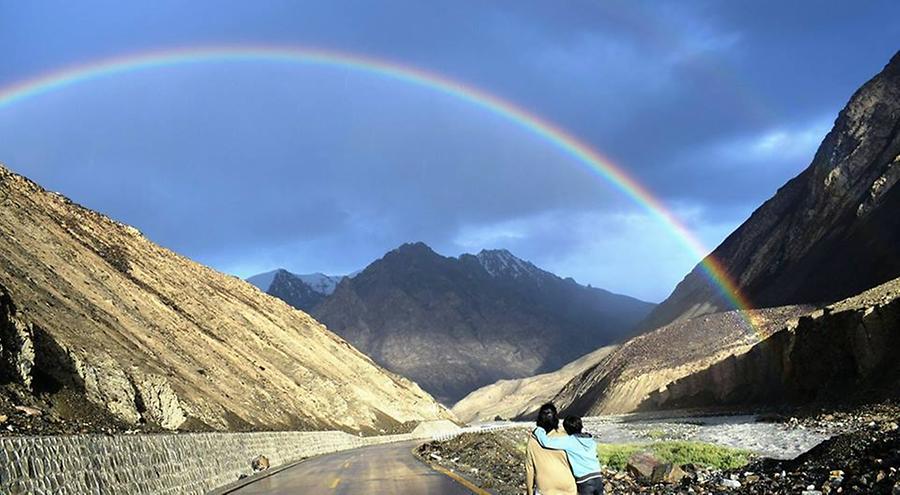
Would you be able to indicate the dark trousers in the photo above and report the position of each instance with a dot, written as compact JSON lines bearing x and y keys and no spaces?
{"x":591,"y":487}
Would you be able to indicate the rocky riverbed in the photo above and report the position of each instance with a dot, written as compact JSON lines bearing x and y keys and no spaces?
{"x":855,"y":450}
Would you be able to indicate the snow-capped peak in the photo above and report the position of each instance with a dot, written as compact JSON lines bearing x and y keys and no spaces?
{"x":500,"y":262}
{"x":321,"y":283}
{"x":317,"y":282}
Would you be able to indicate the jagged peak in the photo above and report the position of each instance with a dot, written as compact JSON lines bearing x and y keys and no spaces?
{"x":412,"y":250}
{"x":413,"y":247}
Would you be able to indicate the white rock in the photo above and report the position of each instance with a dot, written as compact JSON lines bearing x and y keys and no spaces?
{"x":730,"y":483}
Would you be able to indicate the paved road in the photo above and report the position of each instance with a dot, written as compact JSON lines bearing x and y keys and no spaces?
{"x":382,"y":469}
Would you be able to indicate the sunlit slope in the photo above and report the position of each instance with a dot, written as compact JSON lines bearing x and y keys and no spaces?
{"x":92,"y":305}
{"x":513,"y":398}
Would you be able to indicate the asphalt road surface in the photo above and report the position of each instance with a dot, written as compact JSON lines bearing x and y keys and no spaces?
{"x":381,"y":469}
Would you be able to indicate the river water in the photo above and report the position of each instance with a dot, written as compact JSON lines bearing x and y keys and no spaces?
{"x":774,"y":440}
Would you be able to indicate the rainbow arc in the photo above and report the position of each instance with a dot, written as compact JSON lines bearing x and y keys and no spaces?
{"x":548,"y":131}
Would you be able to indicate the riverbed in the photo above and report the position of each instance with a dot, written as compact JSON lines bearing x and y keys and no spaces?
{"x":749,"y":432}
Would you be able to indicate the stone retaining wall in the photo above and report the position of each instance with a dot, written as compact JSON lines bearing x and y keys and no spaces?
{"x":192,"y":463}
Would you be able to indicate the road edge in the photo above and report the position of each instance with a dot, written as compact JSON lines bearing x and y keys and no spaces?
{"x":468,"y":484}
{"x":253,"y":478}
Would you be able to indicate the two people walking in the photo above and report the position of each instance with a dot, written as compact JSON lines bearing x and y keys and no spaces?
{"x":561,"y":463}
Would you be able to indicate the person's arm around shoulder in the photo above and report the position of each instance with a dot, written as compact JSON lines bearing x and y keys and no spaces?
{"x":558,"y":443}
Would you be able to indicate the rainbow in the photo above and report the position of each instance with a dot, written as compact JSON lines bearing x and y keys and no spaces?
{"x":553,"y":134}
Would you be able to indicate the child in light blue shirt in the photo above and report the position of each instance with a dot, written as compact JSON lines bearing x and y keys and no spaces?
{"x":581,"y":449}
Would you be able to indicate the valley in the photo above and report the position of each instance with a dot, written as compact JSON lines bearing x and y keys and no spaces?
{"x":458,"y":248}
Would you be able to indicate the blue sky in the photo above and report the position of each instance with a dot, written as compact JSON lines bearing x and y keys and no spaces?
{"x":248,"y":166}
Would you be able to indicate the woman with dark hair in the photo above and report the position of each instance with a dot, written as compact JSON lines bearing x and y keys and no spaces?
{"x":547,"y":471}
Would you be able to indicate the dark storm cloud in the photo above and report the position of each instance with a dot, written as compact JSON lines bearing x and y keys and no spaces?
{"x":248,"y":166}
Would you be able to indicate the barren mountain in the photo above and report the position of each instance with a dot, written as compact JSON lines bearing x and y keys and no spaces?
{"x":513,"y":398}
{"x":830,"y":232}
{"x":456,"y":324}
{"x":91,"y":309}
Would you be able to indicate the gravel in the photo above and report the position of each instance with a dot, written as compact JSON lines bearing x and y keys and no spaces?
{"x":858,"y":453}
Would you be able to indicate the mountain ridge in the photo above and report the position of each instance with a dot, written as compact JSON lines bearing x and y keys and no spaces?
{"x":453,"y":324}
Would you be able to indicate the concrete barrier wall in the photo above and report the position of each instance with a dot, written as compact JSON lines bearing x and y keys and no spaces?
{"x":192,"y":463}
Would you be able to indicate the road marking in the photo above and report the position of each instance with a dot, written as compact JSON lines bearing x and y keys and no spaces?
{"x":335,"y":483}
{"x":346,"y":464}
{"x":472,"y":487}
{"x":459,"y":479}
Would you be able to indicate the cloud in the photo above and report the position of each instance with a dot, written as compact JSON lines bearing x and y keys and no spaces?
{"x":249,"y":166}
{"x":628,"y":251}
{"x":797,"y":142}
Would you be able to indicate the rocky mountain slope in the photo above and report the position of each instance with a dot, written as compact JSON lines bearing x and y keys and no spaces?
{"x":92,"y":310}
{"x":830,"y":232}
{"x":513,"y":398}
{"x":793,"y":355}
{"x":844,"y":352}
{"x":303,"y":292}
{"x":625,"y":379}
{"x":456,"y":324}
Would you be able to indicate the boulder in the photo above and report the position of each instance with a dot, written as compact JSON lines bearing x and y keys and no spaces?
{"x":647,"y":468}
{"x":28,"y":411}
{"x":674,"y":474}
{"x":260,"y":463}
{"x":729,"y":483}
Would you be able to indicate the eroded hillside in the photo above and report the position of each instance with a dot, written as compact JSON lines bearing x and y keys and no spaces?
{"x":91,"y":306}
{"x":627,"y":377}
{"x":801,"y":355}
{"x":843,"y":352}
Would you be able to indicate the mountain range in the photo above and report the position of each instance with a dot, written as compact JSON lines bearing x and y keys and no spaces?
{"x":453,"y":324}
